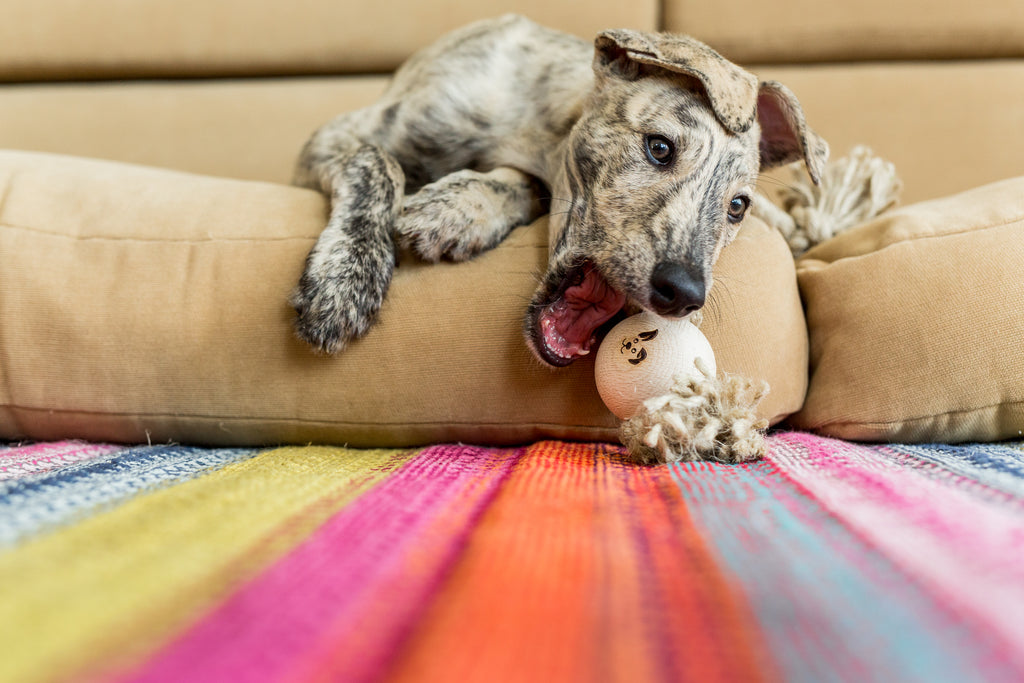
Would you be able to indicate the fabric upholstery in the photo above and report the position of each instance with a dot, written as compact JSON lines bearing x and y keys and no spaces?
{"x":805,"y":30}
{"x":139,"y":38}
{"x":941,"y":123}
{"x":916,"y":322}
{"x":147,"y":304}
{"x":253,"y":128}
{"x":250,"y":129}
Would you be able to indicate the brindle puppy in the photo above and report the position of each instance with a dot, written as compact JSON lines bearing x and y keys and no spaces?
{"x":648,"y":147}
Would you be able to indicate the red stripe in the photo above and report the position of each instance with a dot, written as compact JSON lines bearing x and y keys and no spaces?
{"x":585,"y":568}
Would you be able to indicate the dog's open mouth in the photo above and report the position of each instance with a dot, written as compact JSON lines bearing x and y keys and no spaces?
{"x":566,"y":327}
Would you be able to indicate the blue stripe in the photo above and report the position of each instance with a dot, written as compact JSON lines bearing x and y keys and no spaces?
{"x":830,"y":607}
{"x":999,"y":466}
{"x":45,"y":501}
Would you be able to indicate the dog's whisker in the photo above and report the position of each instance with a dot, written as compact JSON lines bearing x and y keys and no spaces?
{"x":769,"y":180}
{"x":715,"y":304}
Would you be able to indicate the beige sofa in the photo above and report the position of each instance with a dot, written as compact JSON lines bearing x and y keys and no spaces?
{"x":232,"y":88}
{"x":145,"y":299}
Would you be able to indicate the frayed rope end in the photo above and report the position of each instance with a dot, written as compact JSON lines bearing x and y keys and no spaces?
{"x":701,"y":418}
{"x":853,"y":190}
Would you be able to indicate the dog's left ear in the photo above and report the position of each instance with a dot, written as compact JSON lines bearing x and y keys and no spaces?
{"x":785,"y":135}
{"x":731,"y":90}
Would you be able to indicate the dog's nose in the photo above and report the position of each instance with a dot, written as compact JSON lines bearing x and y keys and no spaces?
{"x":676,"y":290}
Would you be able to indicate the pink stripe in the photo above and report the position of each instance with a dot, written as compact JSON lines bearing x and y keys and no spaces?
{"x":21,"y":461}
{"x":963,"y":549}
{"x":343,"y":600}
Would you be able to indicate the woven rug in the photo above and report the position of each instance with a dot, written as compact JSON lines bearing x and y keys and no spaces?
{"x":553,"y":562}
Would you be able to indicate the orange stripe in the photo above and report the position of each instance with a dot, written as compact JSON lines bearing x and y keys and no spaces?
{"x":584,"y":568}
{"x":629,"y":652}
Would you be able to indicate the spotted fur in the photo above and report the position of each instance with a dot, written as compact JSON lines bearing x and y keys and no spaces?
{"x":478,"y":129}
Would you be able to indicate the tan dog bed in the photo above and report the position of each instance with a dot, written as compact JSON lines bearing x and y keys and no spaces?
{"x":141,"y":304}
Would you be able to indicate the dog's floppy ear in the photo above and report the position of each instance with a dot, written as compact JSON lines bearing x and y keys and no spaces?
{"x":785,"y":135}
{"x":731,"y":90}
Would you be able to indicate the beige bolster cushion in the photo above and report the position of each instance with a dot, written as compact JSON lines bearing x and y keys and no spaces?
{"x":142,"y":304}
{"x":917,"y":322}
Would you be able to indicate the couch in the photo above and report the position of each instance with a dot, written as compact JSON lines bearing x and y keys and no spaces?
{"x":190,"y":493}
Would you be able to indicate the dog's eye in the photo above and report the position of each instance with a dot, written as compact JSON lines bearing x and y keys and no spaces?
{"x":738,"y":208}
{"x":659,"y":149}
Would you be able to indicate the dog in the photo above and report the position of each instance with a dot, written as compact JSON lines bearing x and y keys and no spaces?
{"x":644,"y":148}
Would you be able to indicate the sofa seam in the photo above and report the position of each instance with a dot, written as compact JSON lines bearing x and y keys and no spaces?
{"x":297,"y":420}
{"x":4,"y":196}
{"x":210,"y":240}
{"x":111,"y":238}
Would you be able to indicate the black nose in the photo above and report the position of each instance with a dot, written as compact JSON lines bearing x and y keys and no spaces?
{"x":676,"y":289}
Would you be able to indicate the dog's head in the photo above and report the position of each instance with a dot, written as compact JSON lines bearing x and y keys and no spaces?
{"x":655,"y":179}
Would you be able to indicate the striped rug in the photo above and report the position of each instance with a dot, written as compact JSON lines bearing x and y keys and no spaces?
{"x":826,"y":561}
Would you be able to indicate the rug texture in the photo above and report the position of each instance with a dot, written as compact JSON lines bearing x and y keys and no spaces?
{"x":826,"y":561}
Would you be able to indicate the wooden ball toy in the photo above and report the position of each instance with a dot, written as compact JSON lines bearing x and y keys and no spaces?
{"x":641,"y":356}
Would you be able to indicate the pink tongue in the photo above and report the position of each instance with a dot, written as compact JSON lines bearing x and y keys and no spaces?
{"x":569,"y":323}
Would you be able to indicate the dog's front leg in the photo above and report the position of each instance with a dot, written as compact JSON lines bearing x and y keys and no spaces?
{"x":349,"y":269}
{"x":467,"y":212}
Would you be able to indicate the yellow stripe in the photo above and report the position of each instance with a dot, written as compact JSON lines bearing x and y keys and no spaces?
{"x":107,"y":591}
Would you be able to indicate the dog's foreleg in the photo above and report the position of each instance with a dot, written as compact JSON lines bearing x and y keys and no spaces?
{"x":467,"y":212}
{"x":348,"y":271}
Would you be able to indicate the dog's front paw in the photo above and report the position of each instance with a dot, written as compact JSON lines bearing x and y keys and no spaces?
{"x":436,"y":228}
{"x":465,"y":213}
{"x":339,"y":301}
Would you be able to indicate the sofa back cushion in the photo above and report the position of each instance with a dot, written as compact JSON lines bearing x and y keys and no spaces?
{"x":754,"y":31}
{"x":62,"y":39}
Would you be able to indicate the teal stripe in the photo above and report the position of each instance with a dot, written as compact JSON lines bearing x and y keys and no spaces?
{"x":830,"y":607}
{"x":34,"y":504}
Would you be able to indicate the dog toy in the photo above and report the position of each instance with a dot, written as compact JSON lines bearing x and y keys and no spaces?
{"x":642,"y":355}
{"x":658,"y":375}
